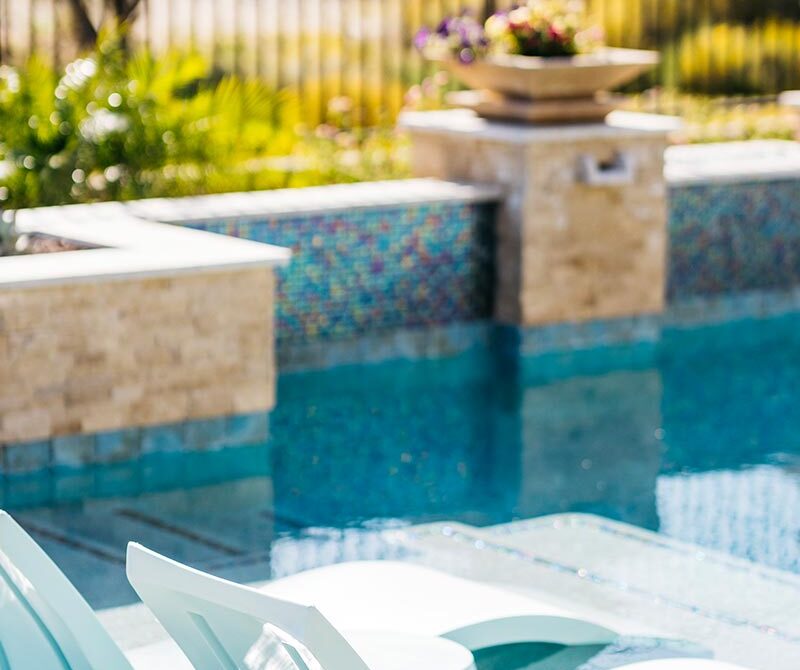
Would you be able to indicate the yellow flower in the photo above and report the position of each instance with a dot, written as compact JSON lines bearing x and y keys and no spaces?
{"x":520,"y":16}
{"x":496,"y":26}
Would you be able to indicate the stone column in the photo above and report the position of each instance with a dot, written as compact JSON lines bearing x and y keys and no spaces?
{"x":581,"y":233}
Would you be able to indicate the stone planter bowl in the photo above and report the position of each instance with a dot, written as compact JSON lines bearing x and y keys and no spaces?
{"x":570,"y":77}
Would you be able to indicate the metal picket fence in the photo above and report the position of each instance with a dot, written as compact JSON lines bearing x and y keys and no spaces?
{"x":363,"y":49}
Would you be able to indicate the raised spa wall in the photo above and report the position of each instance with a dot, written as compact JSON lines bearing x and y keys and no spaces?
{"x":155,"y":326}
{"x":167,"y":349}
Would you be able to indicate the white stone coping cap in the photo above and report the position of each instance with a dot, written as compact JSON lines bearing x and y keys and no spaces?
{"x":789,"y":99}
{"x":137,"y":239}
{"x":730,"y":162}
{"x":461,"y":122}
{"x":289,"y":202}
{"x":131,"y":248}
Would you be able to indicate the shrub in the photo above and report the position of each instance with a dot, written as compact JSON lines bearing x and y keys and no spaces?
{"x":726,"y":59}
{"x":115,"y":126}
{"x":633,"y":21}
{"x":718,"y":119}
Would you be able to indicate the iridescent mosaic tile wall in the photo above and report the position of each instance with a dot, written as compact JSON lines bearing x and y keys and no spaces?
{"x":729,"y":238}
{"x":377,"y":269}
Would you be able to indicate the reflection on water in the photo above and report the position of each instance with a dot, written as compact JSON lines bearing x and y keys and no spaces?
{"x":690,"y":439}
{"x":697,"y":436}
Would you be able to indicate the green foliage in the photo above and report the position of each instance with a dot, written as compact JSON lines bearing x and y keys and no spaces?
{"x":642,"y":21}
{"x":115,"y":126}
{"x":708,"y":119}
{"x":726,"y":59}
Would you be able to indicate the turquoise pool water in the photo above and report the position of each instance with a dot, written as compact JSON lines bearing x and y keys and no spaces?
{"x":696,"y":435}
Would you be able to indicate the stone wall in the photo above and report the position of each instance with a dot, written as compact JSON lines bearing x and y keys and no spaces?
{"x":569,"y":246}
{"x":90,"y":357}
{"x":594,"y":251}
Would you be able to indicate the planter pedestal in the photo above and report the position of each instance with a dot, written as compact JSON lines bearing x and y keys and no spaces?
{"x":495,"y":106}
{"x":581,"y":233}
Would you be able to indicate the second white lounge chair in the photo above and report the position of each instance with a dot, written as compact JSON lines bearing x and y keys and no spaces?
{"x":430,"y":602}
{"x":217,"y":622}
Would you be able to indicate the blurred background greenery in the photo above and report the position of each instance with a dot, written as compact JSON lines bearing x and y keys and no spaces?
{"x":173,"y":97}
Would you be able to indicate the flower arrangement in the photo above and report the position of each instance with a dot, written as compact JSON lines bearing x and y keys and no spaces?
{"x":544,"y":28}
{"x":461,"y":36}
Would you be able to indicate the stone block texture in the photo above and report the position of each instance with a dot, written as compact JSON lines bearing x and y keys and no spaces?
{"x":565,"y":250}
{"x":95,"y":357}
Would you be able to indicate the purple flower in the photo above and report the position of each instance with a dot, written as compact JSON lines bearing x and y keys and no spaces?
{"x":445,"y":27}
{"x":462,"y":36}
{"x":466,"y":56}
{"x":421,"y":38}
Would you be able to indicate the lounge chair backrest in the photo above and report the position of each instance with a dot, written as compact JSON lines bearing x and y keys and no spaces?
{"x":44,"y":621}
{"x":216,"y":622}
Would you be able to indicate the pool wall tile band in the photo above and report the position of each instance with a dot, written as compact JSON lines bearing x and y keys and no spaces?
{"x":373,"y":270}
{"x":74,"y":452}
{"x":728,"y":238}
{"x":376,"y":271}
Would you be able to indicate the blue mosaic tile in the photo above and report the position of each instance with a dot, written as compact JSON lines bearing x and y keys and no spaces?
{"x":73,"y":451}
{"x":412,"y":343}
{"x":727,"y":238}
{"x":28,"y":490}
{"x":205,"y":434}
{"x":26,"y":457}
{"x":374,"y":270}
{"x":244,"y":429}
{"x":160,"y":470}
{"x":117,"y":446}
{"x":73,"y":486}
{"x":590,"y":334}
{"x":163,"y":438}
{"x":117,"y":479}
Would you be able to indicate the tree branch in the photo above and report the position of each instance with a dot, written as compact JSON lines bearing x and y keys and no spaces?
{"x":85,"y":32}
{"x":123,"y":9}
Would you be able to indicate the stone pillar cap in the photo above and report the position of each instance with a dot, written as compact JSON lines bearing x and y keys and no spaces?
{"x":789,"y":99}
{"x":466,"y":122}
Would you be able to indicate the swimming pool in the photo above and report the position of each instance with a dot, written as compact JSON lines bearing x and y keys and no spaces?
{"x":696,"y":435}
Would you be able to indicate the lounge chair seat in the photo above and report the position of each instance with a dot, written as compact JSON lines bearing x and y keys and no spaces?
{"x":429,"y":602}
{"x":390,"y":595}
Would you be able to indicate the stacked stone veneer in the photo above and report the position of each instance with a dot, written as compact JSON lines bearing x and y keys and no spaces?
{"x":568,"y":249}
{"x":90,"y":357}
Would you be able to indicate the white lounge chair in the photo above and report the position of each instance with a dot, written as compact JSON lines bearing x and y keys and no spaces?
{"x":46,"y":624}
{"x":217,"y":622}
{"x":429,"y":602}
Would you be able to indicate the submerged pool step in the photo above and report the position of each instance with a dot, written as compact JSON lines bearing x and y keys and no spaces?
{"x":634,"y":581}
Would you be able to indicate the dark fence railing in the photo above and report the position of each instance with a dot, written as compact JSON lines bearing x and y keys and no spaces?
{"x":362,"y":49}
